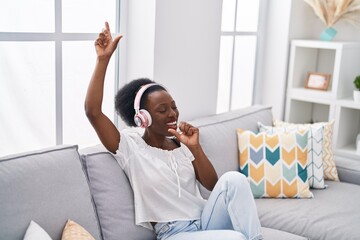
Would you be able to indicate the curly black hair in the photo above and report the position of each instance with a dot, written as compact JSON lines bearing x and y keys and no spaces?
{"x":125,"y":97}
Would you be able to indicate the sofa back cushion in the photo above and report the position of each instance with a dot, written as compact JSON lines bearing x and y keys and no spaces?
{"x":113,"y":196}
{"x":218,"y":135}
{"x":47,"y":186}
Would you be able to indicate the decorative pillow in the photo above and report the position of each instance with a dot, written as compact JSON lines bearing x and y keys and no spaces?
{"x":315,"y":168}
{"x":35,"y":232}
{"x":74,"y":231}
{"x":330,"y":171}
{"x":275,"y":164}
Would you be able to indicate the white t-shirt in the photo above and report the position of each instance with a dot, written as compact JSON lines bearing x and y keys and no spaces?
{"x":164,"y":182}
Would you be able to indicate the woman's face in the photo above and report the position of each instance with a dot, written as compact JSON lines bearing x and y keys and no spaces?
{"x":163,"y":111}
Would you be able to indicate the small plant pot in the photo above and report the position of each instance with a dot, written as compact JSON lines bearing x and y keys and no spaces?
{"x":357,"y":96}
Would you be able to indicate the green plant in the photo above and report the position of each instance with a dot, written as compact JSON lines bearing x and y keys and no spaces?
{"x":357,"y":82}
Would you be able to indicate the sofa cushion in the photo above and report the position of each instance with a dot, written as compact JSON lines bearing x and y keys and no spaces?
{"x":113,"y":196}
{"x":275,"y":164}
{"x":315,"y":151}
{"x":330,"y":171}
{"x":273,"y":234}
{"x":47,"y":186}
{"x":348,"y":169}
{"x":332,"y":214}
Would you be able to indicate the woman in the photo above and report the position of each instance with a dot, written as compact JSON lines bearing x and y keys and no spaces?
{"x":164,"y":164}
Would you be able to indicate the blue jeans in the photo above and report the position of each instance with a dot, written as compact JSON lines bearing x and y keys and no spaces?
{"x":230,"y":213}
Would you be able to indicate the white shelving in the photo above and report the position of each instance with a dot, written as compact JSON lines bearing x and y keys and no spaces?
{"x":342,"y":61}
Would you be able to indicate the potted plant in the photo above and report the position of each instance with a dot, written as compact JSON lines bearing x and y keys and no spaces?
{"x":357,"y":91}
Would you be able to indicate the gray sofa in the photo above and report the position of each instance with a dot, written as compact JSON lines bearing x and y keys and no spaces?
{"x":52,"y":185}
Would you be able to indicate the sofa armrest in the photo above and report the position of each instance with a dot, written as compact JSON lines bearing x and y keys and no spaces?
{"x":348,"y":170}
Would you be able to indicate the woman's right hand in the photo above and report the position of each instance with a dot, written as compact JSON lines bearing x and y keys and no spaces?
{"x":104,"y":44}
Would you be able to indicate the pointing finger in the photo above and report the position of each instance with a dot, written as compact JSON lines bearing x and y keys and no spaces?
{"x":107,"y":26}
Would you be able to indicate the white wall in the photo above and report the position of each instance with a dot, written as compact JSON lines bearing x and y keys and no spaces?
{"x":187,"y":42}
{"x":273,"y":56}
{"x":176,"y":43}
{"x":139,"y":38}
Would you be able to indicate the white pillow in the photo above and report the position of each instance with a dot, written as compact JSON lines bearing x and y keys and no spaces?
{"x":35,"y":232}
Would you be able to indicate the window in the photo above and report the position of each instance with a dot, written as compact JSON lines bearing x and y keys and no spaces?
{"x":238,"y":45}
{"x":47,"y":56}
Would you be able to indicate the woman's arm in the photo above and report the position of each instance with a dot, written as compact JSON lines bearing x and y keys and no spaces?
{"x":204,"y":170}
{"x":105,"y":129}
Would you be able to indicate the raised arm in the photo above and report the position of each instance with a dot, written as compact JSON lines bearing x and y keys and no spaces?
{"x":204,"y":170}
{"x":104,"y":127}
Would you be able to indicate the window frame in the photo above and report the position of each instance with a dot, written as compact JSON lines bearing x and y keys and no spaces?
{"x":234,"y":34}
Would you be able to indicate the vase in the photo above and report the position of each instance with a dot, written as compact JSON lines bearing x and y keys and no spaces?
{"x":328,"y":34}
{"x":357,"y":96}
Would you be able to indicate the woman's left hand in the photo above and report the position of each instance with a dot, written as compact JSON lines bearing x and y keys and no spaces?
{"x":204,"y":170}
{"x":189,"y":134}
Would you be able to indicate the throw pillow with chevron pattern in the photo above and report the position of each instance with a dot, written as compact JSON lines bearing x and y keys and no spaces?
{"x":275,"y":164}
{"x":315,"y":151}
{"x":330,"y":171}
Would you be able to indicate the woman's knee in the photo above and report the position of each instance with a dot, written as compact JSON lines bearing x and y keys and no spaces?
{"x":234,"y":177}
{"x":232,"y":235}
{"x":226,"y":235}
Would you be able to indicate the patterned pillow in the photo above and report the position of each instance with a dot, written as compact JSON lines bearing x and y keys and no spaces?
{"x":315,"y":168}
{"x":73,"y":231}
{"x":330,"y":171}
{"x":275,"y":164}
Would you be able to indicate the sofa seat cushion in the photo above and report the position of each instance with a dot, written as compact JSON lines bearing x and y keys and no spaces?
{"x":274,"y":234}
{"x":47,"y":186}
{"x":329,"y":215}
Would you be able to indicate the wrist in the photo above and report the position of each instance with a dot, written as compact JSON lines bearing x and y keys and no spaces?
{"x":103,"y":59}
{"x":195,"y":149}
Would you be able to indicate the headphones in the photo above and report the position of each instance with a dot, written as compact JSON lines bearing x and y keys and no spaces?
{"x":142,"y":117}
